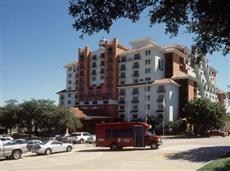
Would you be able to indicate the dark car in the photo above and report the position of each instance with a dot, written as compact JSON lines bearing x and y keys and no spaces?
{"x":33,"y":143}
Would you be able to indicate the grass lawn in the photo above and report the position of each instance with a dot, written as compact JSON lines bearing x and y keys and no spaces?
{"x":222,"y":164}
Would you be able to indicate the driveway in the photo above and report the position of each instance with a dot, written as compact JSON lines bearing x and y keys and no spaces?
{"x":174,"y":154}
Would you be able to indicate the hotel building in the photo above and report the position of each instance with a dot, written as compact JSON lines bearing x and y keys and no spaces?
{"x":115,"y":82}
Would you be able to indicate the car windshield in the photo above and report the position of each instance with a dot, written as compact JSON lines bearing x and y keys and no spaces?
{"x":11,"y":143}
{"x":45,"y":142}
{"x":148,"y":132}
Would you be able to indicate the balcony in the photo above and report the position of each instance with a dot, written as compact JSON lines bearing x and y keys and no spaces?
{"x":121,"y":102}
{"x":161,"y":90}
{"x":123,"y":68}
{"x":160,"y":100}
{"x":137,"y":56}
{"x":122,"y":93}
{"x":136,"y":74}
{"x":136,"y":65}
{"x":135,"y":101}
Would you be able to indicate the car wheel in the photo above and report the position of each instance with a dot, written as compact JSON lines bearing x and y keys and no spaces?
{"x":81,"y":141}
{"x":69,"y":148}
{"x":48,"y":151}
{"x":114,"y":147}
{"x":16,"y":154}
{"x":153,"y":146}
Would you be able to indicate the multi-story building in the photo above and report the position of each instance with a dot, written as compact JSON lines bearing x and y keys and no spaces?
{"x":68,"y":96}
{"x":97,"y":79}
{"x":147,"y":79}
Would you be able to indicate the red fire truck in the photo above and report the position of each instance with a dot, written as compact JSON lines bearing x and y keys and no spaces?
{"x":124,"y":134}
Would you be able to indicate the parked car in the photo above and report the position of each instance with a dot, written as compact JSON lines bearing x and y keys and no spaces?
{"x":218,"y":133}
{"x":81,"y":136}
{"x":5,"y":140}
{"x":12,"y":149}
{"x":32,"y":143}
{"x":91,"y":139}
{"x":51,"y":146}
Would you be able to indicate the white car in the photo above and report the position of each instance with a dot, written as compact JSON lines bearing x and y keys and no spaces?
{"x":81,"y":136}
{"x":5,"y":140}
{"x":51,"y":146}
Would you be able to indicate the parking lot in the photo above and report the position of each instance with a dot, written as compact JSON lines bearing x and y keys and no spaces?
{"x":174,"y":154}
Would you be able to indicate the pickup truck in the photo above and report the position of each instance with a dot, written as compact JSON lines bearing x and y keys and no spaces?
{"x":12,"y":150}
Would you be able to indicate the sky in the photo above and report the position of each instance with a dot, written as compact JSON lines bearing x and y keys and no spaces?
{"x":37,"y":39}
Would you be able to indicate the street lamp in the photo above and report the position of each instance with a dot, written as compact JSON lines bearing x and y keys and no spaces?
{"x":146,"y":81}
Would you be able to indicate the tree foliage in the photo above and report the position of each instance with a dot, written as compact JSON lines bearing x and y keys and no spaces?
{"x":205,"y":115}
{"x":8,"y":115}
{"x":34,"y":115}
{"x":209,"y":20}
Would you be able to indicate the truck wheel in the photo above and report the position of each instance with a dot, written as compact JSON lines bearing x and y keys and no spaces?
{"x":69,"y":148}
{"x":48,"y":151}
{"x":81,"y":141}
{"x":16,"y":154}
{"x":154,"y":146}
{"x":113,"y":147}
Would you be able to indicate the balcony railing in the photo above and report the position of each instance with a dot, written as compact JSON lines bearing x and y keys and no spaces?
{"x":135,"y":101}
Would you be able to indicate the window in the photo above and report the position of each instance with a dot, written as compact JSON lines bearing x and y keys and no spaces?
{"x":160,"y":64}
{"x":70,"y":69}
{"x":122,"y":75}
{"x":107,"y":133}
{"x":102,"y":70}
{"x":69,"y":94}
{"x":102,"y":77}
{"x":137,"y":56}
{"x":135,"y":65}
{"x":122,"y":82}
{"x":122,"y":107}
{"x":94,"y":65}
{"x":134,"y":116}
{"x":135,"y":107}
{"x":147,"y":61}
{"x":94,"y":72}
{"x":147,"y":52}
{"x":69,"y":102}
{"x":102,"y":55}
{"x":135,"y":81}
{"x":160,"y":107}
{"x":148,"y":106}
{"x":123,"y":59}
{"x":102,"y":63}
{"x":69,"y":82}
{"x":160,"y":98}
{"x":161,"y":89}
{"x":123,"y":67}
{"x":122,"y":91}
{"x":114,"y":133}
{"x":135,"y":91}
{"x":148,"y":97}
{"x":93,"y":78}
{"x":94,"y":57}
{"x":121,"y":133}
{"x":69,"y":88}
{"x":135,"y":73}
{"x":110,"y":49}
{"x":70,"y":75}
{"x":62,"y":97}
{"x":148,"y":88}
{"x":122,"y":116}
{"x":147,"y":70}
{"x":129,"y":132}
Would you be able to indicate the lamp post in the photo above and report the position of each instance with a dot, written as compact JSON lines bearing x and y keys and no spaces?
{"x":146,"y":81}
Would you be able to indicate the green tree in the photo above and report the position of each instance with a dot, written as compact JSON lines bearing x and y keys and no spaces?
{"x":209,"y":20}
{"x":8,"y":115}
{"x":63,"y":118}
{"x":29,"y":115}
{"x":205,"y":115}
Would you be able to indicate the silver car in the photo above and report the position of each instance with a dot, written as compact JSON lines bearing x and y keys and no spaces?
{"x":51,"y":146}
